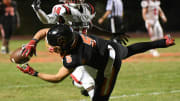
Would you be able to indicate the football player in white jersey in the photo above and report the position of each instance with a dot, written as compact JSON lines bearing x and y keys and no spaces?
{"x":75,"y":13}
{"x":78,"y":15}
{"x":151,"y":11}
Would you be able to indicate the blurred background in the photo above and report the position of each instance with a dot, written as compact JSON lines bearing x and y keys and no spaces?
{"x":132,"y":15}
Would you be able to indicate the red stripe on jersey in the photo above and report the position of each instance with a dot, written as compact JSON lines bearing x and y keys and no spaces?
{"x":92,"y":8}
{"x":75,"y":79}
{"x":67,"y":9}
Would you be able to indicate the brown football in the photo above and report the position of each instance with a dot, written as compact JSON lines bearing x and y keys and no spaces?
{"x":16,"y":57}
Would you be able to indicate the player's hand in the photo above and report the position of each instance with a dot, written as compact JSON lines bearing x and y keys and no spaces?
{"x":100,"y":21}
{"x":36,"y":5}
{"x":165,"y":20}
{"x":27,"y":69}
{"x":121,"y":38}
{"x":29,"y":48}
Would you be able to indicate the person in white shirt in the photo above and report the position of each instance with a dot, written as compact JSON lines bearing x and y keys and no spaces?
{"x":114,"y":13}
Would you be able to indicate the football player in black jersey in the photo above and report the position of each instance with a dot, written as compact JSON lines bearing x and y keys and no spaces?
{"x":78,"y":49}
{"x":9,"y":20}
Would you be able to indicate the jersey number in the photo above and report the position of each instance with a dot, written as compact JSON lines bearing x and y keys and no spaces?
{"x":155,"y":11}
{"x":87,"y":40}
{"x":57,"y":10}
{"x":68,"y":59}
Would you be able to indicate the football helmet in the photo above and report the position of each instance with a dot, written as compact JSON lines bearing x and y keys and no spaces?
{"x":61,"y":35}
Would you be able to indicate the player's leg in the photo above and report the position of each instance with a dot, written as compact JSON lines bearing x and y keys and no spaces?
{"x":106,"y":79}
{"x":144,"y":46}
{"x":158,"y":30}
{"x":3,"y":39}
{"x":151,"y":27}
{"x":6,"y":34}
{"x":82,"y":79}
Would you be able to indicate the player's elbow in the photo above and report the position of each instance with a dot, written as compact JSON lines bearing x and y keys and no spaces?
{"x":57,"y":79}
{"x":45,"y":21}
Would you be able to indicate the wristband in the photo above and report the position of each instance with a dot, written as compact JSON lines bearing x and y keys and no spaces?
{"x":36,"y":41}
{"x":36,"y":74}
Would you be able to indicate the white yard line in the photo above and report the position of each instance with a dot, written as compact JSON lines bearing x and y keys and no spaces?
{"x":26,"y":86}
{"x":112,"y":97}
{"x":140,"y":94}
{"x":137,"y":94}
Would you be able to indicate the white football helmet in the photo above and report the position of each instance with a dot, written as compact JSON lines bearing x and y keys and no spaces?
{"x":72,"y":1}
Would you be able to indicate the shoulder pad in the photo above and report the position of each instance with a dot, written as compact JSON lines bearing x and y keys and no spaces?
{"x":58,"y":5}
{"x":144,"y":3}
{"x":158,"y":3}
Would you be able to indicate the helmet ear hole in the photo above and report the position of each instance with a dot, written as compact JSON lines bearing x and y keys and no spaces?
{"x":61,"y":41}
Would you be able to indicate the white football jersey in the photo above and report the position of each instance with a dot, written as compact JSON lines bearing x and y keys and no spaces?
{"x":153,"y":9}
{"x":73,"y":14}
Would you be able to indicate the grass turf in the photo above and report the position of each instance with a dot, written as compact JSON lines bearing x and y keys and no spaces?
{"x":137,"y":81}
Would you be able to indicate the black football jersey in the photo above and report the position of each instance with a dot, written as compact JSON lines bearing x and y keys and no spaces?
{"x":90,"y":51}
{"x":8,"y":13}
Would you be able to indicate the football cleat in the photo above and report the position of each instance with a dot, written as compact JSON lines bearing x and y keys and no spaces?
{"x":169,"y":40}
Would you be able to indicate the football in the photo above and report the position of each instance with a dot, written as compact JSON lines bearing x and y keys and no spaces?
{"x":16,"y":56}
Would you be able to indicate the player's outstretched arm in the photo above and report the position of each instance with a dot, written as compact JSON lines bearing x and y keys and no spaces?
{"x":31,"y":46}
{"x":61,"y":75}
{"x":43,"y":17}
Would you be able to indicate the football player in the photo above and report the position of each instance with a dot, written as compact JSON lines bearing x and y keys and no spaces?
{"x":78,"y":15}
{"x":75,"y":13}
{"x":151,"y":11}
{"x":78,"y":49}
{"x":9,"y":21}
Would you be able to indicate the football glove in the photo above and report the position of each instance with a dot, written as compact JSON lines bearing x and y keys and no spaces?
{"x":30,"y":48}
{"x":121,"y":38}
{"x":27,"y":69}
{"x":36,"y":5}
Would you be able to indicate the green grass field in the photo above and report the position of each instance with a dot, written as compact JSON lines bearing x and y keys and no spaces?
{"x":150,"y":80}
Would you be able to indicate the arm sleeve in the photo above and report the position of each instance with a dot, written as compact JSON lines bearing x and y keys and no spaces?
{"x":109,"y":5}
{"x":50,"y":18}
{"x":46,"y":19}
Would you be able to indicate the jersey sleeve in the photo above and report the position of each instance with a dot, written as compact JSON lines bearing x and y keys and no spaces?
{"x":69,"y":62}
{"x":109,"y":5}
{"x":144,"y":4}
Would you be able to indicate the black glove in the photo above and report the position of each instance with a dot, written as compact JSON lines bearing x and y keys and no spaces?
{"x":36,"y":4}
{"x":84,"y":92}
{"x":121,"y":38}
